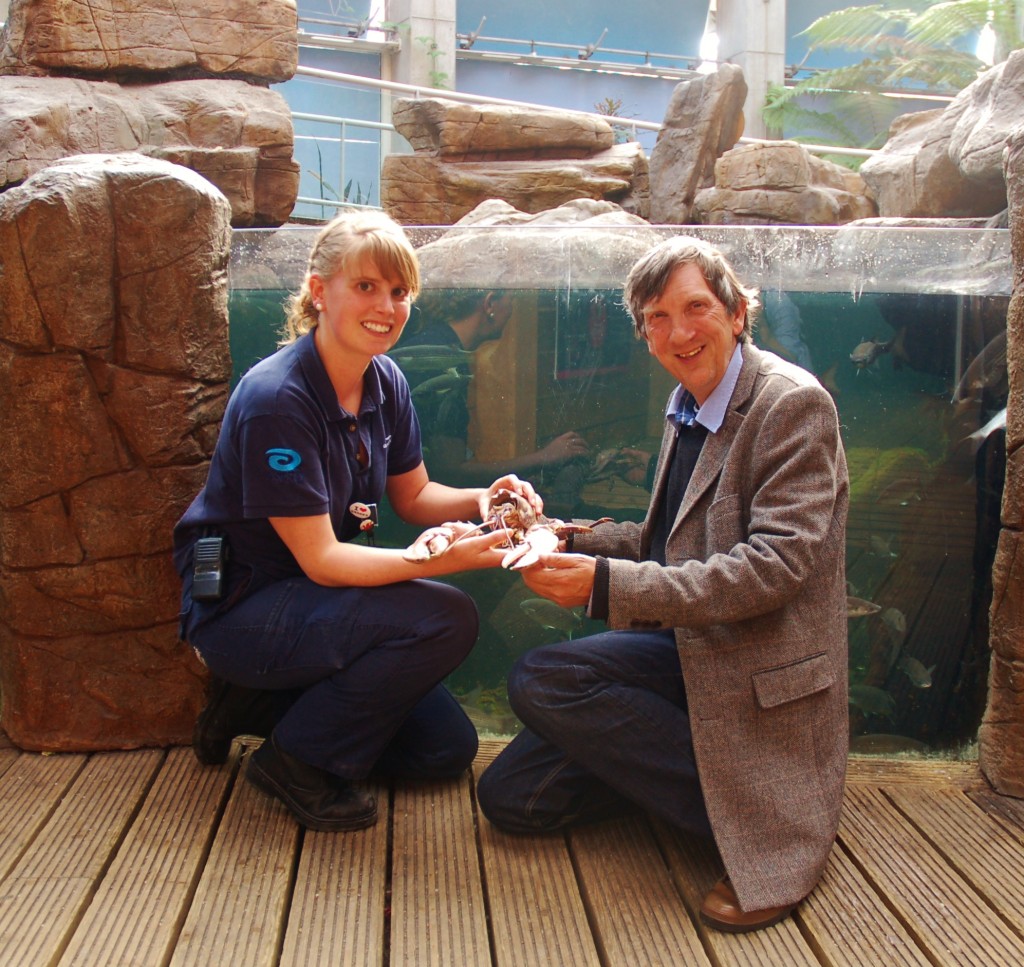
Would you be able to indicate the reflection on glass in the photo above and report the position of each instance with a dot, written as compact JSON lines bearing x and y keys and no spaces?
{"x":550,"y":382}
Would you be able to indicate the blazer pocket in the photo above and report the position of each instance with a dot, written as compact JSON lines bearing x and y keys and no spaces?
{"x":724,"y":524}
{"x":776,"y":686}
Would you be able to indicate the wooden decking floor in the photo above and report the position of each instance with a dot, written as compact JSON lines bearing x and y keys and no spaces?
{"x":147,"y":858}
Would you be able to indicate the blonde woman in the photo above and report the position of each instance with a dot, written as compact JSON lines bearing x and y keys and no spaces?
{"x":349,"y":635}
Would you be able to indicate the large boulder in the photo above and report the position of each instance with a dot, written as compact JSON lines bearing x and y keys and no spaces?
{"x":781,"y":183}
{"x":703,"y":120}
{"x":237,"y":135}
{"x":1001,"y":737}
{"x":487,"y":247}
{"x":913,"y":175}
{"x":114,"y":371}
{"x":234,"y":38}
{"x":534,"y":159}
{"x":949,"y":162}
{"x":987,"y":113}
{"x":421,"y":189}
{"x":484,"y":132}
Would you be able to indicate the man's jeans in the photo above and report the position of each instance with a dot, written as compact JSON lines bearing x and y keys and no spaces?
{"x":365,"y":665}
{"x":607,"y":731}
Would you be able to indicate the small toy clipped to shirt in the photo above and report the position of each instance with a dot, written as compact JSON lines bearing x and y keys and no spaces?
{"x":368,"y":518}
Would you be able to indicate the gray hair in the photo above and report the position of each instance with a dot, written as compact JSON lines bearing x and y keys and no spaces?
{"x":651,"y":273}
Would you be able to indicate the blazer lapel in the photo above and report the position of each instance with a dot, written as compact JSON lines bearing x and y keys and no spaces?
{"x":716,"y":446}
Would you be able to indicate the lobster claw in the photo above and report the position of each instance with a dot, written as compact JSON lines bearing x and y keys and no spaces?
{"x":433,"y":541}
{"x":536,"y":541}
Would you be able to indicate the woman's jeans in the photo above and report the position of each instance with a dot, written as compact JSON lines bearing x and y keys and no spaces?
{"x":365,"y":666}
{"x":607,"y":731}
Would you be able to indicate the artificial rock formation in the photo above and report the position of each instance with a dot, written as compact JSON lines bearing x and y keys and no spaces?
{"x":237,"y":135}
{"x":948,"y":162}
{"x":235,"y":38}
{"x":703,"y":120}
{"x":114,"y":370}
{"x":487,"y":248}
{"x":1001,"y":737}
{"x":467,"y":154}
{"x":197,"y":96}
{"x":471,"y":132}
{"x":781,"y":183}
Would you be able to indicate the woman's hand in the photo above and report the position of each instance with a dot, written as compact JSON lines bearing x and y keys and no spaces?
{"x":567,"y":446}
{"x":511,"y":482}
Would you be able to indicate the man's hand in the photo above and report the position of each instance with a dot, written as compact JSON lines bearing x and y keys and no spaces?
{"x":566,"y":579}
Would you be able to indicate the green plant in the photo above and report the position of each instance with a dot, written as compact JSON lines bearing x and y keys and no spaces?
{"x":909,"y":45}
{"x":611,"y":107}
{"x":437,"y":77}
{"x":360,"y":197}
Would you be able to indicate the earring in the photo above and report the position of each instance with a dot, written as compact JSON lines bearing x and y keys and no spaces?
{"x":319,"y":306}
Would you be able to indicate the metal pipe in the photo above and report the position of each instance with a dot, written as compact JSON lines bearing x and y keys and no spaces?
{"x":417,"y":91}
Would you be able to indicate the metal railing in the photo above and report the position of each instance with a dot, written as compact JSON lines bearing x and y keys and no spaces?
{"x":633,"y":124}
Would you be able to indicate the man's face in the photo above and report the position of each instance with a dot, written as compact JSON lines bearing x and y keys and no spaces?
{"x":690,"y":332}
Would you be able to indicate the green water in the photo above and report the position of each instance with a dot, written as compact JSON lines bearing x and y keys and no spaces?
{"x":924,"y":496}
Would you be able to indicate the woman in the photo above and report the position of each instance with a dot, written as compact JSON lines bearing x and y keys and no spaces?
{"x":312,"y":438}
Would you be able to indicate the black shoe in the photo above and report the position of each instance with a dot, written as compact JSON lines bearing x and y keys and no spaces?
{"x":231,"y":711}
{"x":316,"y":799}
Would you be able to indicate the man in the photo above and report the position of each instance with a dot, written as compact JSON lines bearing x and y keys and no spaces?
{"x":719,"y":702}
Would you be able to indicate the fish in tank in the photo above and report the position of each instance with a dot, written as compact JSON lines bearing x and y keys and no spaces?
{"x":907,"y":335}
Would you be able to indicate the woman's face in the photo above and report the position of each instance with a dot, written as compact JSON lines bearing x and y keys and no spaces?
{"x":363,"y":312}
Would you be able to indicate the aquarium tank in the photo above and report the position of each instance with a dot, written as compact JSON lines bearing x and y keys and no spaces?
{"x":906,"y":328}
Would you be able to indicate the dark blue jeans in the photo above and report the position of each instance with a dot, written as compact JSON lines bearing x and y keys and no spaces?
{"x":607,"y":731}
{"x":363,"y":666}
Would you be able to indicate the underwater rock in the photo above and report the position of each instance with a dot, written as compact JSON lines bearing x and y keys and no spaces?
{"x":114,"y":370}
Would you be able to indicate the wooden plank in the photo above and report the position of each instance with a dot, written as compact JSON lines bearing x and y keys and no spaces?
{"x":537,"y":914}
{"x":849,"y":925}
{"x":237,"y":914}
{"x":142,"y":901}
{"x":873,"y":770}
{"x":696,"y":866}
{"x":1006,"y":809}
{"x":30,"y":790}
{"x":947,"y":918}
{"x":638,"y":916}
{"x":45,"y":893}
{"x":978,"y":846}
{"x":339,"y":900}
{"x":8,"y":753}
{"x":438,"y":914}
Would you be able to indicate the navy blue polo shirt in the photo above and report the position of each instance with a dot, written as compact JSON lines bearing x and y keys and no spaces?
{"x":287,"y":448}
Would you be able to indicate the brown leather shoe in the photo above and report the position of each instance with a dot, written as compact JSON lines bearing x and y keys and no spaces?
{"x":721,"y":910}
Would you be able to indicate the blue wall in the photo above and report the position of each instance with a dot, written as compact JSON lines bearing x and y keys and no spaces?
{"x":659,"y":26}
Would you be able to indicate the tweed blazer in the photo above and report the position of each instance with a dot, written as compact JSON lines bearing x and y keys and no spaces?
{"x":754,"y":586}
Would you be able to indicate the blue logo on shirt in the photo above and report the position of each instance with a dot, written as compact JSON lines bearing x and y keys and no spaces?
{"x":281,"y":459}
